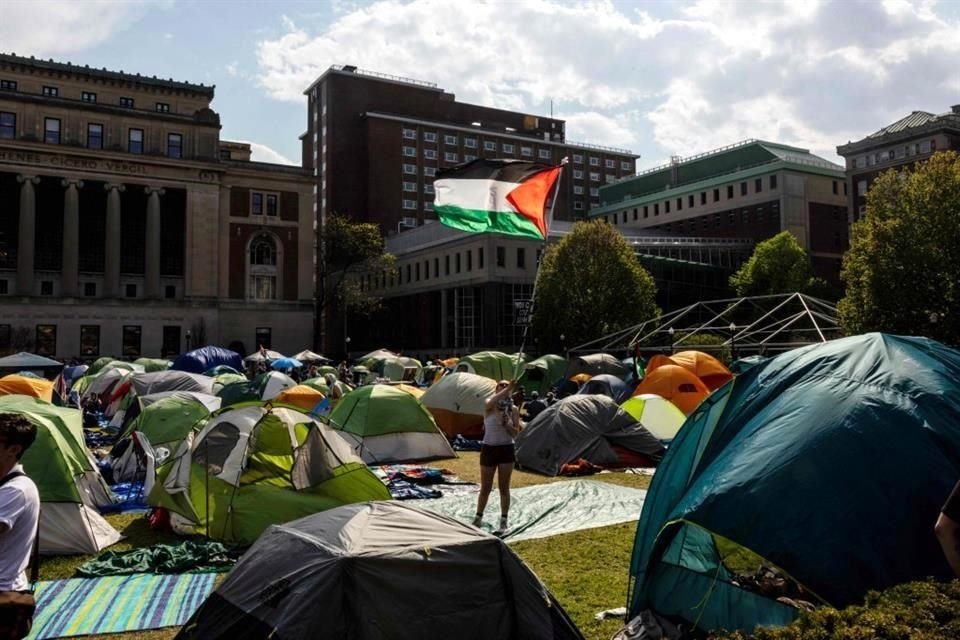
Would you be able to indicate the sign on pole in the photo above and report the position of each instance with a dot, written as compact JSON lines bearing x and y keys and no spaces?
{"x":521,"y":312}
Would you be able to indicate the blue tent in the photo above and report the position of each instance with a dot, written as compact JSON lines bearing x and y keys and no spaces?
{"x":828,"y":462}
{"x":199,"y":360}
{"x":607,"y":385}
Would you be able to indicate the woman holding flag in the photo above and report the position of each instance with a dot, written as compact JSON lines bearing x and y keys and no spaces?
{"x":501,"y":424}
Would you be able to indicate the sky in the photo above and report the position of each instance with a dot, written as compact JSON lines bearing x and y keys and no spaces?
{"x":659,"y":78}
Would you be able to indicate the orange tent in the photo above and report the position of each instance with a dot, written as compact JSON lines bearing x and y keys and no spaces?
{"x":13,"y":384}
{"x":580,"y":378}
{"x":676,"y":384}
{"x":300,"y":396}
{"x":416,"y":392}
{"x":713,"y":373}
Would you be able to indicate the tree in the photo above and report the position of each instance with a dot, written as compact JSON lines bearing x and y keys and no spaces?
{"x":349,"y":251}
{"x":590,"y":284}
{"x":778,"y":265}
{"x":902,"y":272}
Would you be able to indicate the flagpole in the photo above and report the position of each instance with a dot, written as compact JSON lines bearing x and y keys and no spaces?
{"x":536,"y":276}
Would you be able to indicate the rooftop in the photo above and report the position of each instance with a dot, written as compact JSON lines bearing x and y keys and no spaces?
{"x":376,"y":75}
{"x":914,"y":124}
{"x":13,"y":59}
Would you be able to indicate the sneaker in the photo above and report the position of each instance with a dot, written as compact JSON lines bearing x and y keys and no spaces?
{"x":478,"y":520}
{"x":503,"y":523}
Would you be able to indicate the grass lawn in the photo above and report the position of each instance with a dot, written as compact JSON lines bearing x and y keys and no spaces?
{"x":585,"y":570}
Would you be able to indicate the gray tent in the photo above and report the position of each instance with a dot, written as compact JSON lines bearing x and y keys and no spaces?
{"x":171,"y":380}
{"x":24,"y":360}
{"x":588,"y":427}
{"x":379,"y":570}
{"x":596,"y":364}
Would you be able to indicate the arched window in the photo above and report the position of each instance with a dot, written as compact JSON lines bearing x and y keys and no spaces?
{"x":263,"y":276}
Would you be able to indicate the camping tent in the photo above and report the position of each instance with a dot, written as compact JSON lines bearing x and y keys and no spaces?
{"x":14,"y":384}
{"x":596,"y":364}
{"x":799,"y":462}
{"x":457,"y":403}
{"x":591,"y":427}
{"x":385,"y":424}
{"x":676,"y":384}
{"x":199,"y":360}
{"x":743,"y":364}
{"x":255,"y":465}
{"x":67,"y":478}
{"x":541,"y":374}
{"x":303,"y":396}
{"x":607,"y":385}
{"x":380,"y":570}
{"x":401,"y":369}
{"x":264,"y":355}
{"x":266,"y":386}
{"x":24,"y":361}
{"x":658,"y":415}
{"x":151,"y":365}
{"x":148,"y":383}
{"x":713,"y":373}
{"x":309,"y":356}
{"x":492,"y":364}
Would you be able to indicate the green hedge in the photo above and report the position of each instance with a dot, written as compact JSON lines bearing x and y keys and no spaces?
{"x":926,"y":610}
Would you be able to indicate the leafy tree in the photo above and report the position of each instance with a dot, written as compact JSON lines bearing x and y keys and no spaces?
{"x":902,"y":272}
{"x":778,"y":265}
{"x":348,"y":251}
{"x":590,"y":284}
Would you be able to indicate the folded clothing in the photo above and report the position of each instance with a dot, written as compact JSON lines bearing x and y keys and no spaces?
{"x":189,"y":556}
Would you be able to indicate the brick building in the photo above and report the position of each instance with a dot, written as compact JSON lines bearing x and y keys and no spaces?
{"x":128,"y":228}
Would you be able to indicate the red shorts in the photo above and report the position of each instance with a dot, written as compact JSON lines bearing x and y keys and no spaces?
{"x":492,"y":455}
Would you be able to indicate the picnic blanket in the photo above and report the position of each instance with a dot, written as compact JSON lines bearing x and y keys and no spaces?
{"x":549,"y":509}
{"x":128,"y":498}
{"x":84,"y":606}
{"x":189,"y":556}
{"x":415,"y":482}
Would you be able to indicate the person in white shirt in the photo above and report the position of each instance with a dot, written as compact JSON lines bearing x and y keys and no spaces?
{"x":501,"y":424}
{"x":19,"y":513}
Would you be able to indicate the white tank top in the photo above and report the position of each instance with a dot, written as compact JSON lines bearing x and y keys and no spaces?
{"x":494,"y":433}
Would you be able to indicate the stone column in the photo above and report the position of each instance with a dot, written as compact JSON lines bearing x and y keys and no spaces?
{"x":152,"y":257}
{"x":26,"y":237}
{"x":71,"y":237}
{"x":111,"y":269}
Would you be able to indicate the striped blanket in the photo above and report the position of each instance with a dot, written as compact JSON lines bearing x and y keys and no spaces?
{"x":83,"y":606}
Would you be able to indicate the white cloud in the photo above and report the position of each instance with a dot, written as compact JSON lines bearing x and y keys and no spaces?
{"x":263,"y":153}
{"x":815,"y":73}
{"x":56,"y":27}
{"x":233,"y":69}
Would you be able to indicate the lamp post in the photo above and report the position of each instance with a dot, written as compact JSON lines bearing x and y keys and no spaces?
{"x":733,"y":341}
{"x":563,"y":345}
{"x":188,"y":339}
{"x":671,"y":332}
{"x":346,"y":347}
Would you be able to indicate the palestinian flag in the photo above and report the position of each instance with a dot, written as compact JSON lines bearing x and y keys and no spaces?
{"x":495,"y":196}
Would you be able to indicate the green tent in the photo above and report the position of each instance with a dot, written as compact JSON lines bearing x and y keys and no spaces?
{"x":99,"y":364}
{"x":254,"y":465}
{"x":541,"y":374}
{"x":492,"y":364}
{"x":743,"y":364}
{"x":265,"y":386}
{"x":67,"y":478}
{"x":220,"y":369}
{"x":150,"y":365}
{"x":166,"y":421}
{"x":829,"y":463}
{"x":387,"y":424}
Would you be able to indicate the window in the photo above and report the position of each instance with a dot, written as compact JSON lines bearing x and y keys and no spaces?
{"x":51,"y":130}
{"x":773,"y":181}
{"x":89,"y":340}
{"x":135,"y":141}
{"x":410,"y":134}
{"x":256,"y":203}
{"x":171,"y":341}
{"x":626,"y":166}
{"x":46,"y":287}
{"x":457,"y":262}
{"x":862,"y":188}
{"x":835,"y":188}
{"x":634,"y":215}
{"x":174,"y":145}
{"x":416,"y":271}
{"x":8,"y":85}
{"x":262,"y":266}
{"x":666,"y":206}
{"x":608,"y":178}
{"x":507,"y":148}
{"x":90,"y":289}
{"x":429,"y":171}
{"x":88,"y":96}
{"x":925,"y":146}
{"x":578,"y":190}
{"x":446,"y":265}
{"x":410,"y":168}
{"x":163,"y":107}
{"x":716,"y":219}
{"x":469,"y":260}
{"x":578,"y":206}
{"x":410,"y":187}
{"x":225,"y":154}
{"x":130,"y":290}
{"x":489,"y":145}
{"x":428,"y":188}
{"x":703,"y":197}
{"x":450,"y":140}
{"x":690,"y":200}
{"x":8,"y":125}
{"x":480,"y":258}
{"x":470,"y":143}
{"x":51,"y":92}
{"x":450,"y":156}
{"x":890,"y":154}
{"x":594,"y":162}
{"x":624,"y":216}
{"x":609,"y":164}
{"x":170,"y":291}
{"x":526,"y":152}
{"x":271,"y":204}
{"x":758,"y":185}
{"x":131,"y":340}
{"x":46,"y":340}
{"x":546,"y":154}
{"x":594,"y":176}
{"x":578,"y":158}
{"x":595,"y":192}
{"x":501,"y":257}
{"x":409,"y":204}
{"x":716,"y":195}
{"x":844,"y":188}
{"x":94,"y":135}
{"x":521,"y":258}
{"x":646,"y":211}
{"x":410,"y":152}
{"x":408,"y":274}
{"x":469,"y":157}
{"x":3,"y":291}
{"x":743,"y":188}
{"x":429,"y":136}
{"x":656,"y":209}
{"x":729,"y":191}
{"x":126,"y":102}
{"x":436,"y":267}
{"x":428,"y":206}
{"x":679,"y":204}
{"x":430,"y":154}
